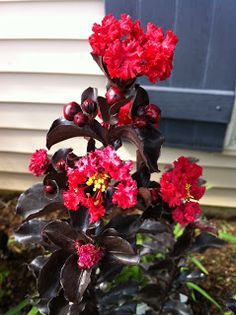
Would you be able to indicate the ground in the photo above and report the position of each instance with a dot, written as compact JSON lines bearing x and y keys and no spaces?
{"x":16,"y":282}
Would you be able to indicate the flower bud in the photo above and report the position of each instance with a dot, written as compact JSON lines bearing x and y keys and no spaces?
{"x":70,"y":110}
{"x":89,"y":107}
{"x":80,"y":119}
{"x":113,"y":95}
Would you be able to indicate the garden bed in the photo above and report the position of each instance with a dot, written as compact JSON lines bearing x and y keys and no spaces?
{"x":16,"y":282}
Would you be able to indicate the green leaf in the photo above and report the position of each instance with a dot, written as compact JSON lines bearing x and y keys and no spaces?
{"x":33,"y":311}
{"x":16,"y":309}
{"x":193,"y":286}
{"x":199,"y":265}
{"x":178,"y":230}
{"x":227,"y":237}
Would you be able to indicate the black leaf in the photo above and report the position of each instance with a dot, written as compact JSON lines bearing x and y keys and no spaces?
{"x":49,"y":276}
{"x":89,"y":93}
{"x":63,"y":129}
{"x":74,"y":280}
{"x":30,"y":232}
{"x":34,"y":203}
{"x":205,"y":241}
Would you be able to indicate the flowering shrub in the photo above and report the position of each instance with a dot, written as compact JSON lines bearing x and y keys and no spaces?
{"x":110,"y":213}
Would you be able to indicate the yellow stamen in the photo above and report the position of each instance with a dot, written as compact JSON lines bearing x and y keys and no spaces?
{"x":99,"y":181}
{"x":188,"y":187}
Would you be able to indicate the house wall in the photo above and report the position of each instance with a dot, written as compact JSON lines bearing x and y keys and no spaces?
{"x":45,"y":63}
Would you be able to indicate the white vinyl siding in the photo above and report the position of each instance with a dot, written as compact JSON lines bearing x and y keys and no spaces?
{"x":45,"y":62}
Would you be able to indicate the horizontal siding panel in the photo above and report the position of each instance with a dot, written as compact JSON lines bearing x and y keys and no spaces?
{"x":46,"y":88}
{"x":12,"y":180}
{"x":42,"y":56}
{"x":16,"y":182}
{"x":57,"y":56}
{"x":219,"y":197}
{"x":25,"y":141}
{"x":29,"y":115}
{"x":19,"y":182}
{"x":53,"y":19}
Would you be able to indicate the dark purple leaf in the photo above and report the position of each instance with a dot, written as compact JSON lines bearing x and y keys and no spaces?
{"x":62,"y":234}
{"x":57,"y":181}
{"x":114,"y":109}
{"x":108,"y":271}
{"x":37,"y":264}
{"x":42,"y":306}
{"x":98,"y":60}
{"x":74,"y":280}
{"x":117,"y":245}
{"x":128,"y":133}
{"x":152,"y":141}
{"x":80,"y":219}
{"x":142,"y":176}
{"x":30,"y":232}
{"x":91,"y":145}
{"x":231,"y":304}
{"x":153,"y":227}
{"x":141,"y":99}
{"x":117,"y":294}
{"x":124,"y":259}
{"x":59,"y":305}
{"x":177,"y":308}
{"x":126,"y":225}
{"x":60,"y":155}
{"x":189,"y":275}
{"x":49,"y":276}
{"x":103,"y":107}
{"x":184,"y":242}
{"x":34,"y":203}
{"x":63,"y":129}
{"x":89,"y":93}
{"x":205,"y":241}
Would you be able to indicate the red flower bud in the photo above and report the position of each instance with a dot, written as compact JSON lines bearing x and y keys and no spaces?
{"x":89,"y":107}
{"x":113,"y":95}
{"x":70,"y":110}
{"x":48,"y":189}
{"x":60,"y":165}
{"x":80,"y":119}
{"x":140,"y":122}
{"x":153,"y":113}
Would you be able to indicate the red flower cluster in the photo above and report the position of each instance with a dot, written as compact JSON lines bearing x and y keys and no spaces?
{"x":181,"y":183}
{"x":91,"y":177}
{"x":39,"y":162}
{"x":88,"y":254}
{"x":179,"y":186}
{"x":129,"y":52}
{"x":187,"y":213}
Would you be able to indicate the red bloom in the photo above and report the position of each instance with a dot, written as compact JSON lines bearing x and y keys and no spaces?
{"x":129,"y":52}
{"x":181,"y":183}
{"x":39,"y":162}
{"x":187,"y":213}
{"x":96,"y":209}
{"x":126,"y":194}
{"x":73,"y":198}
{"x":91,"y":177}
{"x":89,"y":255}
{"x":124,"y":59}
{"x":123,"y":115}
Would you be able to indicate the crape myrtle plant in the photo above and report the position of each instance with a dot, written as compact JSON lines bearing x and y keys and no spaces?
{"x":105,"y":227}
